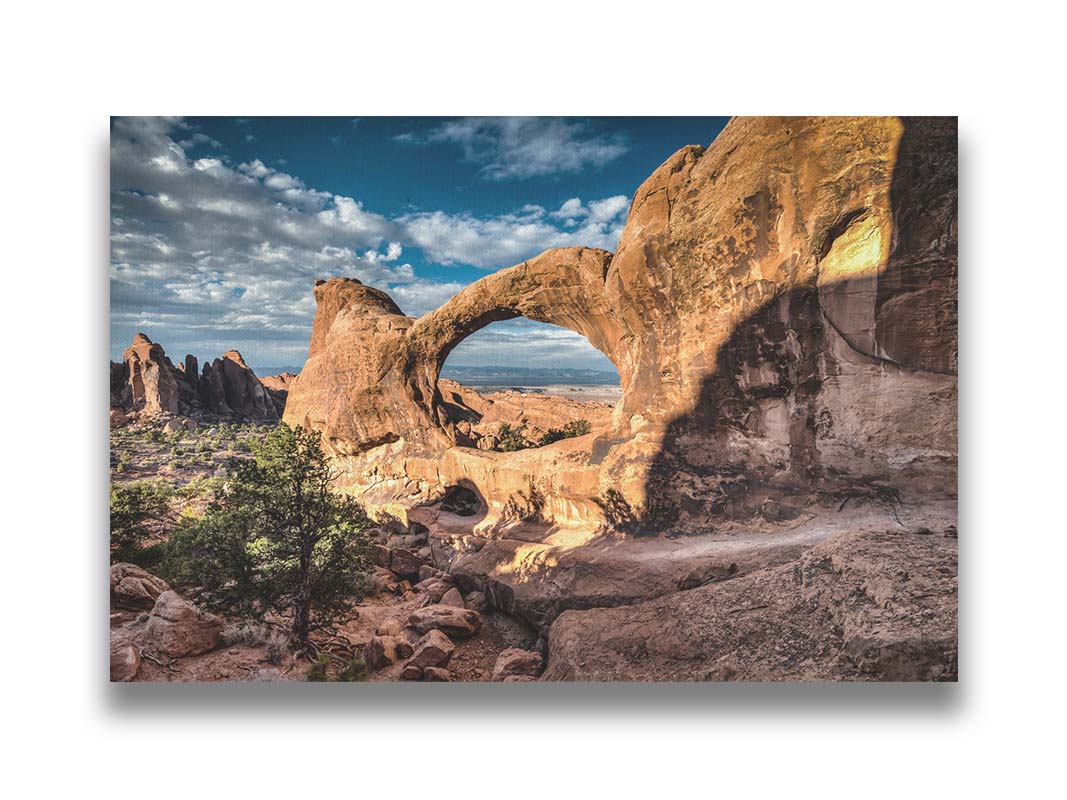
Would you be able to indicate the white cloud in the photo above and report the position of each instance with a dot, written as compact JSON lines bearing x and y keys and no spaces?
{"x":206,"y":253}
{"x":507,"y":239}
{"x":525,"y":147}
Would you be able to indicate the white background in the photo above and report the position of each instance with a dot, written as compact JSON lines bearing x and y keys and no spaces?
{"x":66,"y":67}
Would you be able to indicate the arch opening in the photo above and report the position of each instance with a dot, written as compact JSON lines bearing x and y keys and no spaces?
{"x":521,"y":384}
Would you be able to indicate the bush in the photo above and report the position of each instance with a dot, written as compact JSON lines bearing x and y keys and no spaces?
{"x":510,"y":439}
{"x":140,"y":512}
{"x":354,"y":671}
{"x":318,"y":672}
{"x":579,"y":427}
{"x":275,"y":539}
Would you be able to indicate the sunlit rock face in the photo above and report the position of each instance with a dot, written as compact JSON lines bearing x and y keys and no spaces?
{"x":781,"y":310}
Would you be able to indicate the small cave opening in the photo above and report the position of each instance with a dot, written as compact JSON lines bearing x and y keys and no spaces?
{"x":461,"y":501}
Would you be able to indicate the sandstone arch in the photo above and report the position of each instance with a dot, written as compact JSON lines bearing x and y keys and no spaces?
{"x":770,"y":296}
{"x":562,"y":287}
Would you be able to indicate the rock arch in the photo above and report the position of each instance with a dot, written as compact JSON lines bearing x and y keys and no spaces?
{"x":749,"y":339}
{"x":562,"y":287}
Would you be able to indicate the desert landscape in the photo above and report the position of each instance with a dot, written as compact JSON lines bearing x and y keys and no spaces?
{"x":768,"y":494}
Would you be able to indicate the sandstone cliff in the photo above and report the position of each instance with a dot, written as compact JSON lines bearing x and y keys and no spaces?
{"x":781,"y":310}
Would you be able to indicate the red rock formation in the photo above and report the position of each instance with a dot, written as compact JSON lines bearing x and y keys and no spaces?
{"x":153,"y":386}
{"x":147,"y":382}
{"x":781,"y":310}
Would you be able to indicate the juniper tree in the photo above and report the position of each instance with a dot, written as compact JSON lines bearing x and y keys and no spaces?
{"x":277,"y":538}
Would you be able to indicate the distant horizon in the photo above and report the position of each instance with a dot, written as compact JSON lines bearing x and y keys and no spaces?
{"x":220,"y":225}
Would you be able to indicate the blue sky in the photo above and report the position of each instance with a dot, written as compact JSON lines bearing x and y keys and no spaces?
{"x":220,"y":225}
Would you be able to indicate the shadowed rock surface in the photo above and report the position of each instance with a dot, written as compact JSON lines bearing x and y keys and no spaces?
{"x":859,"y":606}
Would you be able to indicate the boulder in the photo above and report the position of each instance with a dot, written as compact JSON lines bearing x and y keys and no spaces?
{"x":176,"y":628}
{"x":476,"y":601}
{"x":452,"y":598}
{"x":382,"y":651}
{"x":436,"y":675}
{"x":460,"y":622}
{"x":432,"y":650}
{"x":117,"y":418}
{"x":405,"y":563}
{"x":125,"y":661}
{"x":134,"y":588}
{"x":391,"y":627}
{"x":515,"y":662}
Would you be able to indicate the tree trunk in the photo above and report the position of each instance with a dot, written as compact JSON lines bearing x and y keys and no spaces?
{"x":301,"y":618}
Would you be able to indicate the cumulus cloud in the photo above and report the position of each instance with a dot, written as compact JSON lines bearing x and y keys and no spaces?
{"x":507,"y":239}
{"x":207,"y":253}
{"x":525,"y":147}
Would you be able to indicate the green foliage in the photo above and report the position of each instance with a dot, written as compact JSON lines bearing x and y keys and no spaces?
{"x":140,"y":512}
{"x":510,"y":439}
{"x":276,"y":539}
{"x":318,"y":672}
{"x":579,"y":427}
{"x":355,"y":671}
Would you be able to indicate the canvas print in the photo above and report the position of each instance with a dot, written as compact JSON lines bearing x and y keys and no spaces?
{"x":533,"y":399}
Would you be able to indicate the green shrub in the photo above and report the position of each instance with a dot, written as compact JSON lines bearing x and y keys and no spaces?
{"x":276,"y":538}
{"x":140,"y":512}
{"x":318,"y":672}
{"x":509,"y":439}
{"x":579,"y":427}
{"x":354,"y":671}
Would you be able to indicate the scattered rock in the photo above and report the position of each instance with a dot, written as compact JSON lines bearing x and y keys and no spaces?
{"x":134,"y":588}
{"x":476,"y":601}
{"x":514,"y":662}
{"x":434,"y":588}
{"x":436,"y":675}
{"x":391,"y":627}
{"x":125,"y":661}
{"x":381,"y":651}
{"x":405,"y":563}
{"x":452,"y":598}
{"x":432,"y":650}
{"x":176,"y":628}
{"x":453,"y":621}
